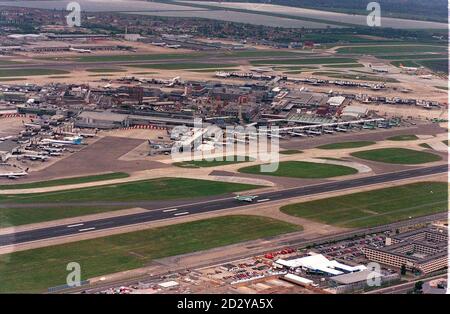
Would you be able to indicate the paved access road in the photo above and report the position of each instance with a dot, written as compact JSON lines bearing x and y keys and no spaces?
{"x":210,"y":206}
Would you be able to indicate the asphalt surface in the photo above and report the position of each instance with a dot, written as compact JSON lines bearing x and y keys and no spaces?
{"x":209,"y":206}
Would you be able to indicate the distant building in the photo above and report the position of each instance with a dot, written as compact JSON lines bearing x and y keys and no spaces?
{"x":26,"y":36}
{"x":14,"y":96}
{"x":101,"y":120}
{"x":336,"y":101}
{"x":425,"y":250}
{"x":354,"y":112}
{"x":132,"y":37}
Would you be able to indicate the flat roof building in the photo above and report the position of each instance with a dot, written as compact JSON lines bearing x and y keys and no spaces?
{"x":425,"y":250}
{"x":101,"y":120}
{"x":354,"y":112}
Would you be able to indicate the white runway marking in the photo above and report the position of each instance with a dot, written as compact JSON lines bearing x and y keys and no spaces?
{"x":76,"y":225}
{"x":170,"y":210}
{"x":183,"y":213}
{"x":86,"y":229}
{"x":263,"y":200}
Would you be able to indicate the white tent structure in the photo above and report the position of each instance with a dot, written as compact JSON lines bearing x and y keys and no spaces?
{"x":320,"y":263}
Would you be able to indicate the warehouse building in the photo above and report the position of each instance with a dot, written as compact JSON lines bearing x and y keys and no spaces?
{"x":114,"y":120}
{"x":354,"y":112}
{"x":101,"y":120}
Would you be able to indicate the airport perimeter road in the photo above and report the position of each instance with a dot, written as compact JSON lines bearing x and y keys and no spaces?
{"x":403,"y":288}
{"x":209,"y":206}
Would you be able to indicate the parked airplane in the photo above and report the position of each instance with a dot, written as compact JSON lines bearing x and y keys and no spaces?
{"x":53,"y":150}
{"x":78,"y":134}
{"x":261,"y":69}
{"x":34,"y":157}
{"x":313,"y":132}
{"x":369,"y":126}
{"x":243,"y":198}
{"x":297,"y":134}
{"x":33,"y":126}
{"x":174,"y":81}
{"x":13,"y":175}
{"x":378,"y":69}
{"x":2,"y":139}
{"x":409,"y":69}
{"x":80,"y":50}
{"x":76,"y":140}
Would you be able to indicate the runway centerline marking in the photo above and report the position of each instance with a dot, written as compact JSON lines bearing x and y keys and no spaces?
{"x":263,"y":200}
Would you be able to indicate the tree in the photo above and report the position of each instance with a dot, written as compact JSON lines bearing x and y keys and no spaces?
{"x":418,"y":287}
{"x":403,"y":270}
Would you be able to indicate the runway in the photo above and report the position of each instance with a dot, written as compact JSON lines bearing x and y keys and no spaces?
{"x":210,"y":206}
{"x":212,"y":58}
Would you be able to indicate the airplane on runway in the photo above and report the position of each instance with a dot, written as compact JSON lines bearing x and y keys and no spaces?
{"x":244,"y":198}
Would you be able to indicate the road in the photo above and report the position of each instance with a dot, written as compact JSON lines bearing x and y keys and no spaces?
{"x":403,"y":288}
{"x":209,"y":206}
